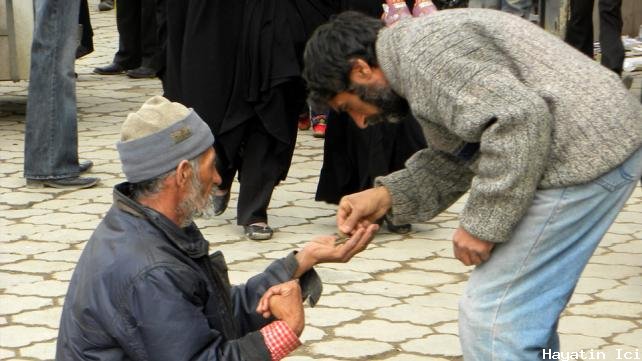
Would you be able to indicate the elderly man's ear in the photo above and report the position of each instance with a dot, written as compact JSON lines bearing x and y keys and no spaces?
{"x":183,"y":174}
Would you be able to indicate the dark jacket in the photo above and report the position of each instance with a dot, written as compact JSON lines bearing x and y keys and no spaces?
{"x":145,"y":289}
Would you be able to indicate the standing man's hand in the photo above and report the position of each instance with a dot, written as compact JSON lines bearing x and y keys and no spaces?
{"x":362,"y":209}
{"x":470,"y":250}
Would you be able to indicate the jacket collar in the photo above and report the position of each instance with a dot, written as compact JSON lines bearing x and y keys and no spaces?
{"x":189,"y":239}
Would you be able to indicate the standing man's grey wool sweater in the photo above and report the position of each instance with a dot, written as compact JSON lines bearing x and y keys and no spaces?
{"x":544,"y":115}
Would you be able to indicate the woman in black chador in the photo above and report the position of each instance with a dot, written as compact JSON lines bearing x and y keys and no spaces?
{"x":238,"y":64}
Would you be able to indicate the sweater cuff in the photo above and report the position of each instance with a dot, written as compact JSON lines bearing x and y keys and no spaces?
{"x":402,"y":208}
{"x":279,"y":339}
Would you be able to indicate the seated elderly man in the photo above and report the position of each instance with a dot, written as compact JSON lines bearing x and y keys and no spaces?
{"x":145,"y":287}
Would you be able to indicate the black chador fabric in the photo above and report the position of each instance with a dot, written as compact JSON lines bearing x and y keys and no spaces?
{"x":353,"y":157}
{"x":229,"y":59}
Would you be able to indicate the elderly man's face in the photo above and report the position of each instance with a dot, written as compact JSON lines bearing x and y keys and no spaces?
{"x":197,"y":198}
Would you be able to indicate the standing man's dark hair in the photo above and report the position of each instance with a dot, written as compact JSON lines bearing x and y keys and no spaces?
{"x":329,"y":52}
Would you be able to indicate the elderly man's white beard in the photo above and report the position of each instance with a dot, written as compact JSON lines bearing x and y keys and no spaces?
{"x":195,"y":203}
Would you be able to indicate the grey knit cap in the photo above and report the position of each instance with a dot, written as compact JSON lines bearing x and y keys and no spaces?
{"x":156,"y":138}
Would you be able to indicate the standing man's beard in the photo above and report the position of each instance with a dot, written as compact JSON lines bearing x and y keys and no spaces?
{"x":194,"y":203}
{"x":392,"y":107}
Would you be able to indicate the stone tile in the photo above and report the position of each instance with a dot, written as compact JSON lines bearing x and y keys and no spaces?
{"x":591,"y":285}
{"x":311,"y":334}
{"x":357,"y":301}
{"x":29,"y":247}
{"x":629,"y":247}
{"x":384,"y":288}
{"x":49,"y":317}
{"x":18,"y":336}
{"x":70,"y":255}
{"x":23,"y":213}
{"x":341,"y":277}
{"x":619,"y":259}
{"x":25,"y":229}
{"x":416,"y":314}
{"x":419,"y":278}
{"x":324,"y":316}
{"x":68,"y":236}
{"x":24,"y":198}
{"x":11,"y":279}
{"x":49,"y":288}
{"x":450,"y":328}
{"x":9,"y":258}
{"x":609,"y":309}
{"x":360,"y":264}
{"x":382,"y":331}
{"x":575,"y":343}
{"x":6,"y":354}
{"x":448,"y":265}
{"x":12,"y":304}
{"x":409,"y":357}
{"x":626,"y":293}
{"x":443,"y":300}
{"x":610,"y":271}
{"x":440,"y":345}
{"x":632,"y":338}
{"x":593,"y":326}
{"x":350,"y":348}
{"x":33,"y":266}
{"x":422,"y":247}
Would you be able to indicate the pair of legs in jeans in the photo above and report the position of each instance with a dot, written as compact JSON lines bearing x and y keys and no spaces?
{"x":51,"y":132}
{"x":512,"y":303}
{"x":518,"y":7}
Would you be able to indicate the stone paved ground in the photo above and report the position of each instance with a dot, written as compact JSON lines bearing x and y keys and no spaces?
{"x":395,"y":301}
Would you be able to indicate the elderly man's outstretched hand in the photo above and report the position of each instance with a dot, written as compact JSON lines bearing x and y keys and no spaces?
{"x":361,"y":209}
{"x":325,"y":249}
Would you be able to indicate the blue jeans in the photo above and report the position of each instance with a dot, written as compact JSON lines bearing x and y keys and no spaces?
{"x":512,"y":303}
{"x":518,"y":7}
{"x":51,"y":132}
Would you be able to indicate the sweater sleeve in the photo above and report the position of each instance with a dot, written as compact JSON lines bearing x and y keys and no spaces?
{"x":430,"y":183}
{"x":469,"y":87}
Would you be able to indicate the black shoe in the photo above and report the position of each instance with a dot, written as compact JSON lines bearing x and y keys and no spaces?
{"x":141,"y":73}
{"x":65,"y":183}
{"x":398,"y":228}
{"x":258,"y":233}
{"x":111,"y":69}
{"x":106,"y":5}
{"x":85,"y":166}
{"x":219,"y":203}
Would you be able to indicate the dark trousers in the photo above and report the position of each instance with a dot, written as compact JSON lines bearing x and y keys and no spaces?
{"x":579,"y":30}
{"x":258,"y":169}
{"x":138,"y":43}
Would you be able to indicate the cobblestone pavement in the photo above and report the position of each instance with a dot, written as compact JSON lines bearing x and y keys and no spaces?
{"x":396,"y":301}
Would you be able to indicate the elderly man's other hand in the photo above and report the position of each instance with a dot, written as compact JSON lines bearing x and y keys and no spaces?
{"x":324,"y":249}
{"x":284,"y":302}
{"x":470,"y":250}
{"x":362,"y":209}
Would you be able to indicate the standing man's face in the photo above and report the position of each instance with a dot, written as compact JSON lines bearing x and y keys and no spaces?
{"x":370,"y":99}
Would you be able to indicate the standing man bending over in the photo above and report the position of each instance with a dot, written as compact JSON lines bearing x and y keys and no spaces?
{"x":546,"y":141}
{"x":145,"y":287}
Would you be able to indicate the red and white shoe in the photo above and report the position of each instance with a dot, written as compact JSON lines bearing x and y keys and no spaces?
{"x":304,"y":121}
